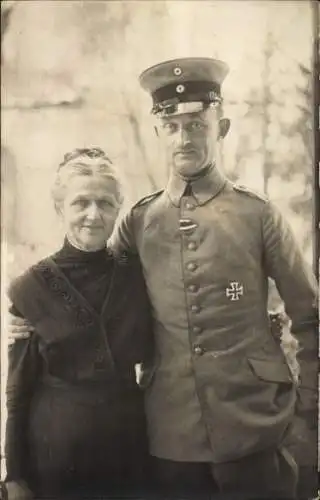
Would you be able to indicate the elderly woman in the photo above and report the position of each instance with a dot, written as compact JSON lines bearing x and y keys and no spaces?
{"x":76,"y":423}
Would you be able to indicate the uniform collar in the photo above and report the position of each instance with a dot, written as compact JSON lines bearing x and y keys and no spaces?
{"x":204,"y":188}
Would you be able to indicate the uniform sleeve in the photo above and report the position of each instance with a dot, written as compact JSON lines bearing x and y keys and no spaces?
{"x":123,"y":237}
{"x":144,"y":326}
{"x":23,"y":373}
{"x":297,"y":287}
{"x":14,"y":311}
{"x":147,"y":354}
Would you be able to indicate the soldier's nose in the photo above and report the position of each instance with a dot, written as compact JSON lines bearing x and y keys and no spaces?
{"x":184,"y":138}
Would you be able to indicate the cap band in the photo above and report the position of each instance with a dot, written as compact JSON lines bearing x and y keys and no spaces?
{"x":181,"y":108}
{"x":172,"y":94}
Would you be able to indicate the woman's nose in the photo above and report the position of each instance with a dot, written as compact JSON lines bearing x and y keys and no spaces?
{"x":93,"y":211}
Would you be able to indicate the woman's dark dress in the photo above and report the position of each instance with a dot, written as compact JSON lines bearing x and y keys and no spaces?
{"x":75,"y":413}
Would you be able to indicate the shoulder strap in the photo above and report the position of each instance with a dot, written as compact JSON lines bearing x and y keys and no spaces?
{"x":148,"y":198}
{"x":249,"y":192}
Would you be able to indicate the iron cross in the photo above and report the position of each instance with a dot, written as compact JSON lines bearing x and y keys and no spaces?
{"x":234,"y":291}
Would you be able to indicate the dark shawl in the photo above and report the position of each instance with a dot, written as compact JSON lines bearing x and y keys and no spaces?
{"x":92,"y":319}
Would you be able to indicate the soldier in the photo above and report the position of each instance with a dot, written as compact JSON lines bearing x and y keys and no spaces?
{"x":221,"y":399}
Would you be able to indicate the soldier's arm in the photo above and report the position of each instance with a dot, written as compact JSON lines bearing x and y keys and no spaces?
{"x":297,"y":287}
{"x":123,"y":238}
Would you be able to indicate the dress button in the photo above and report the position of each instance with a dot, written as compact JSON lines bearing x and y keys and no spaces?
{"x":196,"y":329}
{"x":99,"y":363}
{"x":195,"y":308}
{"x":192,"y":266}
{"x":193,"y":288}
{"x":192,"y":245}
{"x":198,"y":350}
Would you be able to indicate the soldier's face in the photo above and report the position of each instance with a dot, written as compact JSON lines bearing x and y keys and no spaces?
{"x":190,"y":140}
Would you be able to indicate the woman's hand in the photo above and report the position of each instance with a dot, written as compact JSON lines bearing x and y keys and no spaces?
{"x":18,"y":490}
{"x":18,"y":328}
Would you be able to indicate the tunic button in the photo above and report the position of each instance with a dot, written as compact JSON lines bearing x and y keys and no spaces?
{"x":193,"y":288}
{"x":195,"y":308}
{"x":198,"y":350}
{"x":189,"y":206}
{"x":196,"y":329}
{"x":192,"y":245}
{"x":192,"y":266}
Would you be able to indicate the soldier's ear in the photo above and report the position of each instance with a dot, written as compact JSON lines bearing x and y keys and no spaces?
{"x":224,"y":126}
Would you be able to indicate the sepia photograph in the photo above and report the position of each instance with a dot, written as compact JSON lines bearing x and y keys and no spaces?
{"x":160,"y":216}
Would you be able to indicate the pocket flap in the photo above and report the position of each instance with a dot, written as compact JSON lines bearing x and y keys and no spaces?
{"x":271,"y":371}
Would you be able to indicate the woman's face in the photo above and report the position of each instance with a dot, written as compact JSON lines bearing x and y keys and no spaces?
{"x":89,"y":211}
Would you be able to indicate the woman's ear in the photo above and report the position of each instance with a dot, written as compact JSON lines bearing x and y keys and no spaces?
{"x":156,"y":131}
{"x":224,"y":126}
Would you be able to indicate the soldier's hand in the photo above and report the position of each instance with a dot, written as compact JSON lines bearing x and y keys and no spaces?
{"x":18,"y":328}
{"x":18,"y":490}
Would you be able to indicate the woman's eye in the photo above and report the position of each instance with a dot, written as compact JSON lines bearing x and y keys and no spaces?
{"x":81,"y":203}
{"x":104,"y":203}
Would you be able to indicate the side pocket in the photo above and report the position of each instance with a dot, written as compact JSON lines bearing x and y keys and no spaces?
{"x":271,"y":371}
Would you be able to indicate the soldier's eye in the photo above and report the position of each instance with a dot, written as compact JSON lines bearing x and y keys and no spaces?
{"x":195,"y":126}
{"x":169,"y":127}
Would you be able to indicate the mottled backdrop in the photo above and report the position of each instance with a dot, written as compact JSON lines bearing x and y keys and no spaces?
{"x":69,"y":79}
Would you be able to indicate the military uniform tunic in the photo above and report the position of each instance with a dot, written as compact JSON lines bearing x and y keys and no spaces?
{"x":221,"y":387}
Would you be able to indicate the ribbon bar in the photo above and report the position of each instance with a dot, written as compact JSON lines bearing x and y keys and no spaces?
{"x":187,"y":224}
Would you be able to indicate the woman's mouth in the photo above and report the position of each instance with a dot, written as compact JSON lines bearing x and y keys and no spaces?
{"x":93,"y":228}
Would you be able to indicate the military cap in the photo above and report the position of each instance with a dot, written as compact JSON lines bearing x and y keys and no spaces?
{"x":184,"y":85}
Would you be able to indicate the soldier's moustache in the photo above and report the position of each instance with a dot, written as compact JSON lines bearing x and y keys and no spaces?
{"x":185,"y":151}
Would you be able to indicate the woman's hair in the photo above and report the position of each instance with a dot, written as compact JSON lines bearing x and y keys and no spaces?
{"x":91,"y":162}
